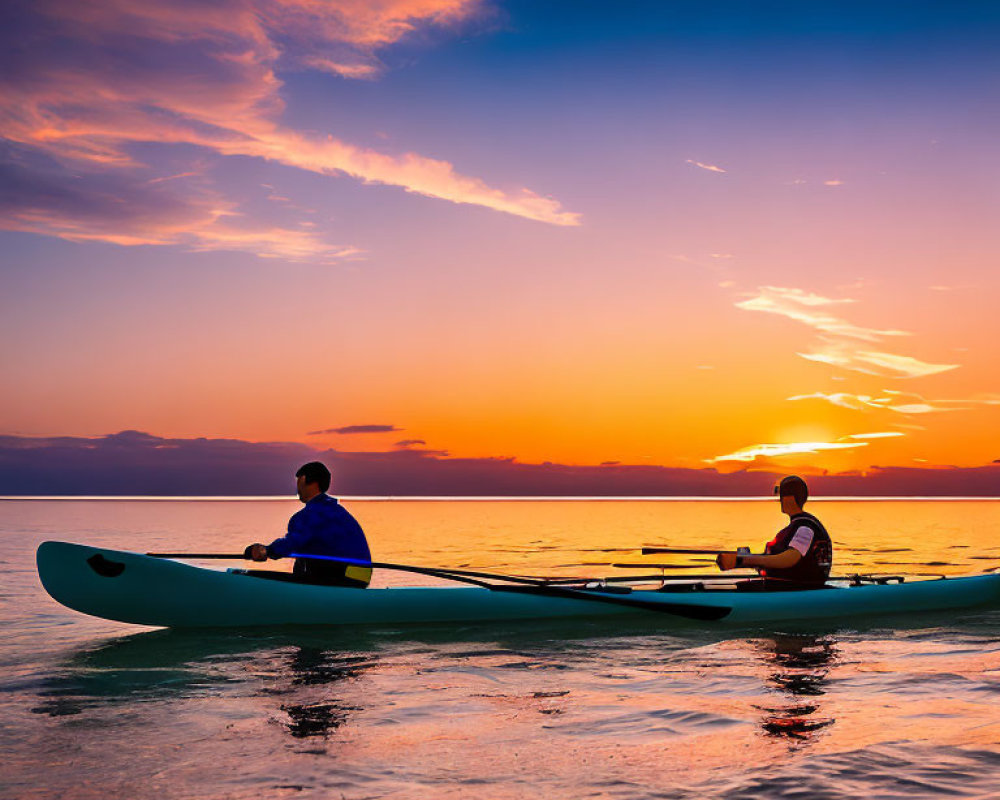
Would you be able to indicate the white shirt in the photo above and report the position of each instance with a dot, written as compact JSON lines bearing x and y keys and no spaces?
{"x":802,"y":540}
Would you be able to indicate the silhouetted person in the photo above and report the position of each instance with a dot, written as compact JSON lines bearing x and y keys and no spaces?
{"x":800,"y":555}
{"x":323,"y":528}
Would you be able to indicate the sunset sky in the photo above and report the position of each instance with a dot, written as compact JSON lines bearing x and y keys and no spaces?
{"x":690,"y":234}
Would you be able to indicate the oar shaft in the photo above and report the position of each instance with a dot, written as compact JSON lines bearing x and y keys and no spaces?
{"x":621,"y":565}
{"x":439,"y":571}
{"x":699,"y":551}
{"x":706,"y":576}
{"x":659,"y":576}
{"x":231,"y":556}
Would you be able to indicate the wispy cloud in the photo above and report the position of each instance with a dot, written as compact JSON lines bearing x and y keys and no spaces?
{"x":40,"y":195}
{"x":415,"y":173}
{"x":906,"y":403}
{"x":855,"y":402}
{"x":838,"y":346}
{"x":904,"y":366}
{"x":709,"y":167}
{"x":127,"y":75}
{"x":873,"y":362}
{"x":357,"y":71}
{"x":174,"y":177}
{"x":983,"y":398}
{"x":803,"y":307}
{"x":767,"y":451}
{"x":349,"y":429}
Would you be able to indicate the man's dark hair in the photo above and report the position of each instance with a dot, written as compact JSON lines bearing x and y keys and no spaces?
{"x":796,"y":487}
{"x":315,"y":472}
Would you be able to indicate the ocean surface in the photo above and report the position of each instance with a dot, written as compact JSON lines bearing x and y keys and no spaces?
{"x":886,"y":708}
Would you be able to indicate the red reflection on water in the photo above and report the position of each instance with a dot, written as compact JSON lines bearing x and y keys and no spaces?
{"x":801,"y":668}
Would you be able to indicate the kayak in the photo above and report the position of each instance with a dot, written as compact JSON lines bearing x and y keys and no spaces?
{"x":139,"y":589}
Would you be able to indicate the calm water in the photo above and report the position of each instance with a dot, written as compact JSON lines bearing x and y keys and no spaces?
{"x":95,"y":709}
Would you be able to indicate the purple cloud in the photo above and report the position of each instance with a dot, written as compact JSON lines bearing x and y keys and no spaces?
{"x":135,"y":463}
{"x":111,"y":89}
{"x":358,"y":429}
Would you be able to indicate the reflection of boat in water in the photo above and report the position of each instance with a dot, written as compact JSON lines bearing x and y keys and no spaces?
{"x":801,"y":666}
{"x":310,"y":680}
{"x":297,"y":669}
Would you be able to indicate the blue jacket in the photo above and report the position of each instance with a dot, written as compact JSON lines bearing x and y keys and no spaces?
{"x":323,"y":528}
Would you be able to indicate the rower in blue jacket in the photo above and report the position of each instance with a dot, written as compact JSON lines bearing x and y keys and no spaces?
{"x":323,"y":528}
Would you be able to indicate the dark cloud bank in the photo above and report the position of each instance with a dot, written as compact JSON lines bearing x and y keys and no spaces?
{"x":133,"y":463}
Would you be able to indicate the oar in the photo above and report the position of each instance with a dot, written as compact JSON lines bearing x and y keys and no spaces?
{"x":688,"y":576}
{"x":611,"y":579}
{"x":230,"y":556}
{"x":523,"y":585}
{"x":698,"y":551}
{"x":536,"y":586}
{"x":637,"y":565}
{"x":721,"y":577}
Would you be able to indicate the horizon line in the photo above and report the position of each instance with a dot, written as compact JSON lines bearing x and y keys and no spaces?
{"x":495,"y":498}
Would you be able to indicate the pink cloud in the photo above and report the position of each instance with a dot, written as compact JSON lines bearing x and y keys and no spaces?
{"x":120,"y":207}
{"x":429,"y":177}
{"x":127,"y":75}
{"x":709,"y":167}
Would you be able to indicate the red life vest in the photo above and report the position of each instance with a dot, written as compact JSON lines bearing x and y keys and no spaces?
{"x":814,"y":566}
